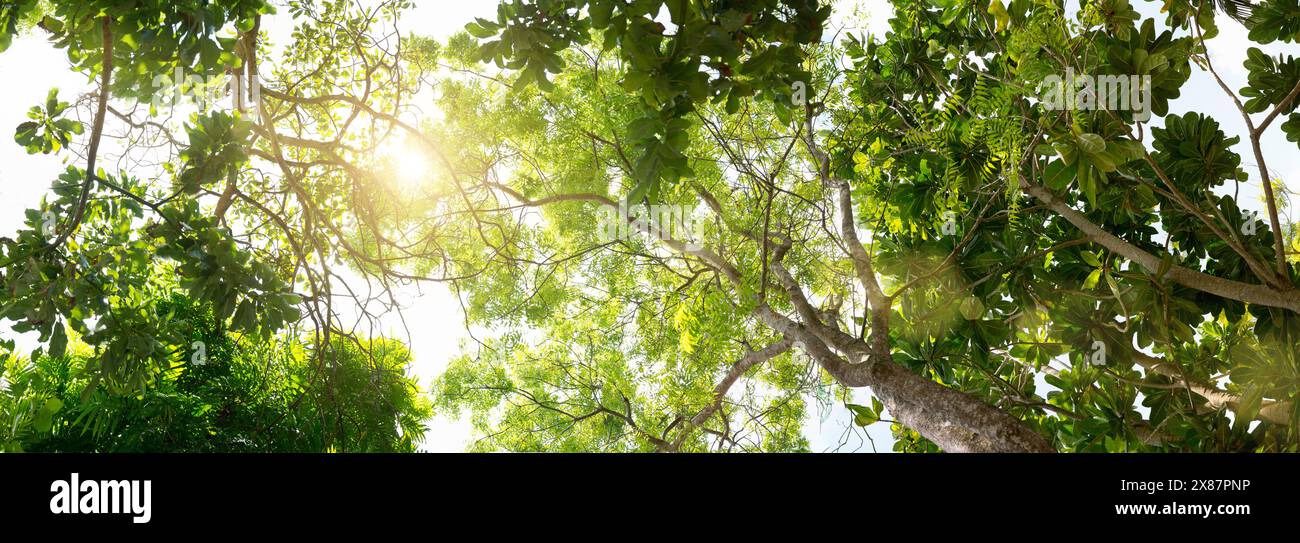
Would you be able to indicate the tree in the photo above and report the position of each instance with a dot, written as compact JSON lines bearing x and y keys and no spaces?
{"x":673,"y":224}
{"x":93,"y":260}
{"x":916,"y":231}
{"x":234,"y":395}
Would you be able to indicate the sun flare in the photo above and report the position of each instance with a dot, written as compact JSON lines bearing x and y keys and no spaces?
{"x":411,"y":166}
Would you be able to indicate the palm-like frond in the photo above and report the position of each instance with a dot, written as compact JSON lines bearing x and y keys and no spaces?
{"x":1239,"y":10}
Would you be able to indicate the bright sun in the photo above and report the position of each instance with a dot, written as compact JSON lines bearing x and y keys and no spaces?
{"x":411,"y":165}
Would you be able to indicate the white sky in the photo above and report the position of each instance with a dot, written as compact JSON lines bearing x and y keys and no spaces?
{"x":31,"y":67}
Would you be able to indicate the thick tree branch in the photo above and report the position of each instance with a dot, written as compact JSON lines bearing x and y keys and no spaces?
{"x":1215,"y":399}
{"x":953,"y":420}
{"x":1226,"y":288}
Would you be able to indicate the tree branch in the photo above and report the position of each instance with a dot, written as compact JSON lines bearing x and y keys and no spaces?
{"x":95,"y":135}
{"x":1226,"y":288}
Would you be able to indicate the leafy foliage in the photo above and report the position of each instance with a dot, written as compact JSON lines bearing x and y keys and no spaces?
{"x":902,"y":212}
{"x":157,"y":36}
{"x":1011,"y":297}
{"x":243,"y":396}
{"x":1274,"y":20}
{"x":720,"y":52}
{"x":46,"y":132}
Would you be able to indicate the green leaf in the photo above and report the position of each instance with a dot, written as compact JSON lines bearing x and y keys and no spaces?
{"x":999,"y":12}
{"x":245,"y":317}
{"x":600,"y":11}
{"x":1092,"y":280}
{"x":1091,"y":143}
{"x":58,"y":342}
{"x":52,"y":101}
{"x":972,"y":308}
{"x":863,"y":415}
{"x":481,"y":28}
{"x":1057,"y":176}
{"x":1248,"y":406}
{"x":44,"y":419}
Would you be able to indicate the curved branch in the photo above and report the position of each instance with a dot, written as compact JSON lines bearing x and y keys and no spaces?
{"x":1233,"y":290}
{"x":751,"y":359}
{"x":1215,"y":399}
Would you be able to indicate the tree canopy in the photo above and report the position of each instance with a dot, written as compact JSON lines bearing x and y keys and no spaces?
{"x":799,"y":212}
{"x":235,"y":395}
